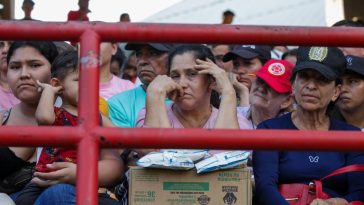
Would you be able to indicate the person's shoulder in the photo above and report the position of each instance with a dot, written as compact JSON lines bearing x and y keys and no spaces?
{"x":126,"y":95}
{"x":281,"y":122}
{"x":340,"y":125}
{"x":123,"y":82}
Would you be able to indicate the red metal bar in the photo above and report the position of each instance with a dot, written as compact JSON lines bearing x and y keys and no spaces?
{"x":185,"y":33}
{"x":88,"y":148}
{"x":92,"y":33}
{"x":87,"y":172}
{"x":89,"y":80}
{"x":39,"y":136}
{"x":231,"y":139}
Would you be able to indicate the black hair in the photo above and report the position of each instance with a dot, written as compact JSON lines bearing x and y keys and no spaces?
{"x":30,"y":2}
{"x":262,"y":60}
{"x":228,"y":13}
{"x":62,"y":46}
{"x":230,"y":47}
{"x":349,"y":23}
{"x":199,"y":52}
{"x":292,"y":52}
{"x":119,"y":56}
{"x":124,"y":15}
{"x":46,"y":48}
{"x":65,"y":63}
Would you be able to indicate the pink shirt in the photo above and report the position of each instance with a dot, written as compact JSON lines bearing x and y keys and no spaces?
{"x":114,"y":86}
{"x":7,"y":99}
{"x":210,"y":124}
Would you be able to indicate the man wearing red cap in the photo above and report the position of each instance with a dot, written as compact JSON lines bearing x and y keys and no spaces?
{"x":270,"y":93}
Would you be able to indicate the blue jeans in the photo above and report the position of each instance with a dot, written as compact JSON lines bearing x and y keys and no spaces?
{"x":65,"y":194}
{"x":60,"y":194}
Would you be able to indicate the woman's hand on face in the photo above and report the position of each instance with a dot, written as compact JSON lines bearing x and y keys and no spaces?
{"x":47,"y":87}
{"x":164,"y":86}
{"x":221,"y":78}
{"x":239,"y":87}
{"x":64,"y":172}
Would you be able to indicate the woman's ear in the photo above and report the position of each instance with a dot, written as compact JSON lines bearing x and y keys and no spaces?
{"x":212,"y":83}
{"x":114,"y":47}
{"x":337,"y":92}
{"x":287,"y":102}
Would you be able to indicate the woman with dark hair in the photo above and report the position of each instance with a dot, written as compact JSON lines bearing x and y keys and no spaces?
{"x":315,"y":87}
{"x":8,"y":99}
{"x":28,"y":62}
{"x":193,"y":76}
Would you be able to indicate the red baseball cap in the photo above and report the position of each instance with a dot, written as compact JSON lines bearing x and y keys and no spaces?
{"x":277,"y":74}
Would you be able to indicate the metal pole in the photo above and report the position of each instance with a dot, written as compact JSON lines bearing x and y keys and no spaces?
{"x":185,"y":33}
{"x":88,"y":148}
{"x":231,"y":139}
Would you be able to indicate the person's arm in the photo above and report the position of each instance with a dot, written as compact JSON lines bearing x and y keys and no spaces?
{"x":111,"y":168}
{"x":227,"y":117}
{"x":241,"y":90}
{"x":355,"y":181}
{"x":110,"y":171}
{"x":45,"y":110}
{"x":266,"y":173}
{"x":156,"y":112}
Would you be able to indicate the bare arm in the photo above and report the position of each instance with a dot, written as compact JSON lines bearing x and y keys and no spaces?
{"x":241,"y":90}
{"x":45,"y":110}
{"x":111,"y":168}
{"x":227,"y":117}
{"x":156,"y":112}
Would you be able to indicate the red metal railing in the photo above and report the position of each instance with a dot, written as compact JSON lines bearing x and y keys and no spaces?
{"x":88,"y":136}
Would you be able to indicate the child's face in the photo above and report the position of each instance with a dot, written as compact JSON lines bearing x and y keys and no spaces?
{"x":70,"y":88}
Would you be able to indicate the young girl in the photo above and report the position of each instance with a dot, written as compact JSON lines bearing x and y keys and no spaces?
{"x":58,"y":165}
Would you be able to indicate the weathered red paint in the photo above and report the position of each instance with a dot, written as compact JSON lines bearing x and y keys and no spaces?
{"x":89,"y":136}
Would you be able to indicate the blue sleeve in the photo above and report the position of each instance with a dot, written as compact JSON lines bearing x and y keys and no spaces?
{"x":266,"y":173}
{"x":355,"y":179}
{"x":118,"y":114}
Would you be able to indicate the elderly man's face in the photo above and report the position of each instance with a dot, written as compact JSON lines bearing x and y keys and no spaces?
{"x":150,"y":63}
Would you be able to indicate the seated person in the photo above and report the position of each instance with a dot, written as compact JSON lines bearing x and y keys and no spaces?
{"x":193,"y":76}
{"x":62,"y":162}
{"x":315,"y":88}
{"x":351,"y":99}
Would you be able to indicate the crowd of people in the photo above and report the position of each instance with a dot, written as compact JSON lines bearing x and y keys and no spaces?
{"x":159,"y":85}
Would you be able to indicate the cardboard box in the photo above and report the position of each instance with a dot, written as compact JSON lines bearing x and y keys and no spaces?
{"x":167,"y":187}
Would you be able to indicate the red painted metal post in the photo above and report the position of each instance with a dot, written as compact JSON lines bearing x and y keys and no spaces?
{"x":39,"y":136}
{"x":88,"y":148}
{"x":88,"y":133}
{"x":186,"y":33}
{"x":231,"y":139}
